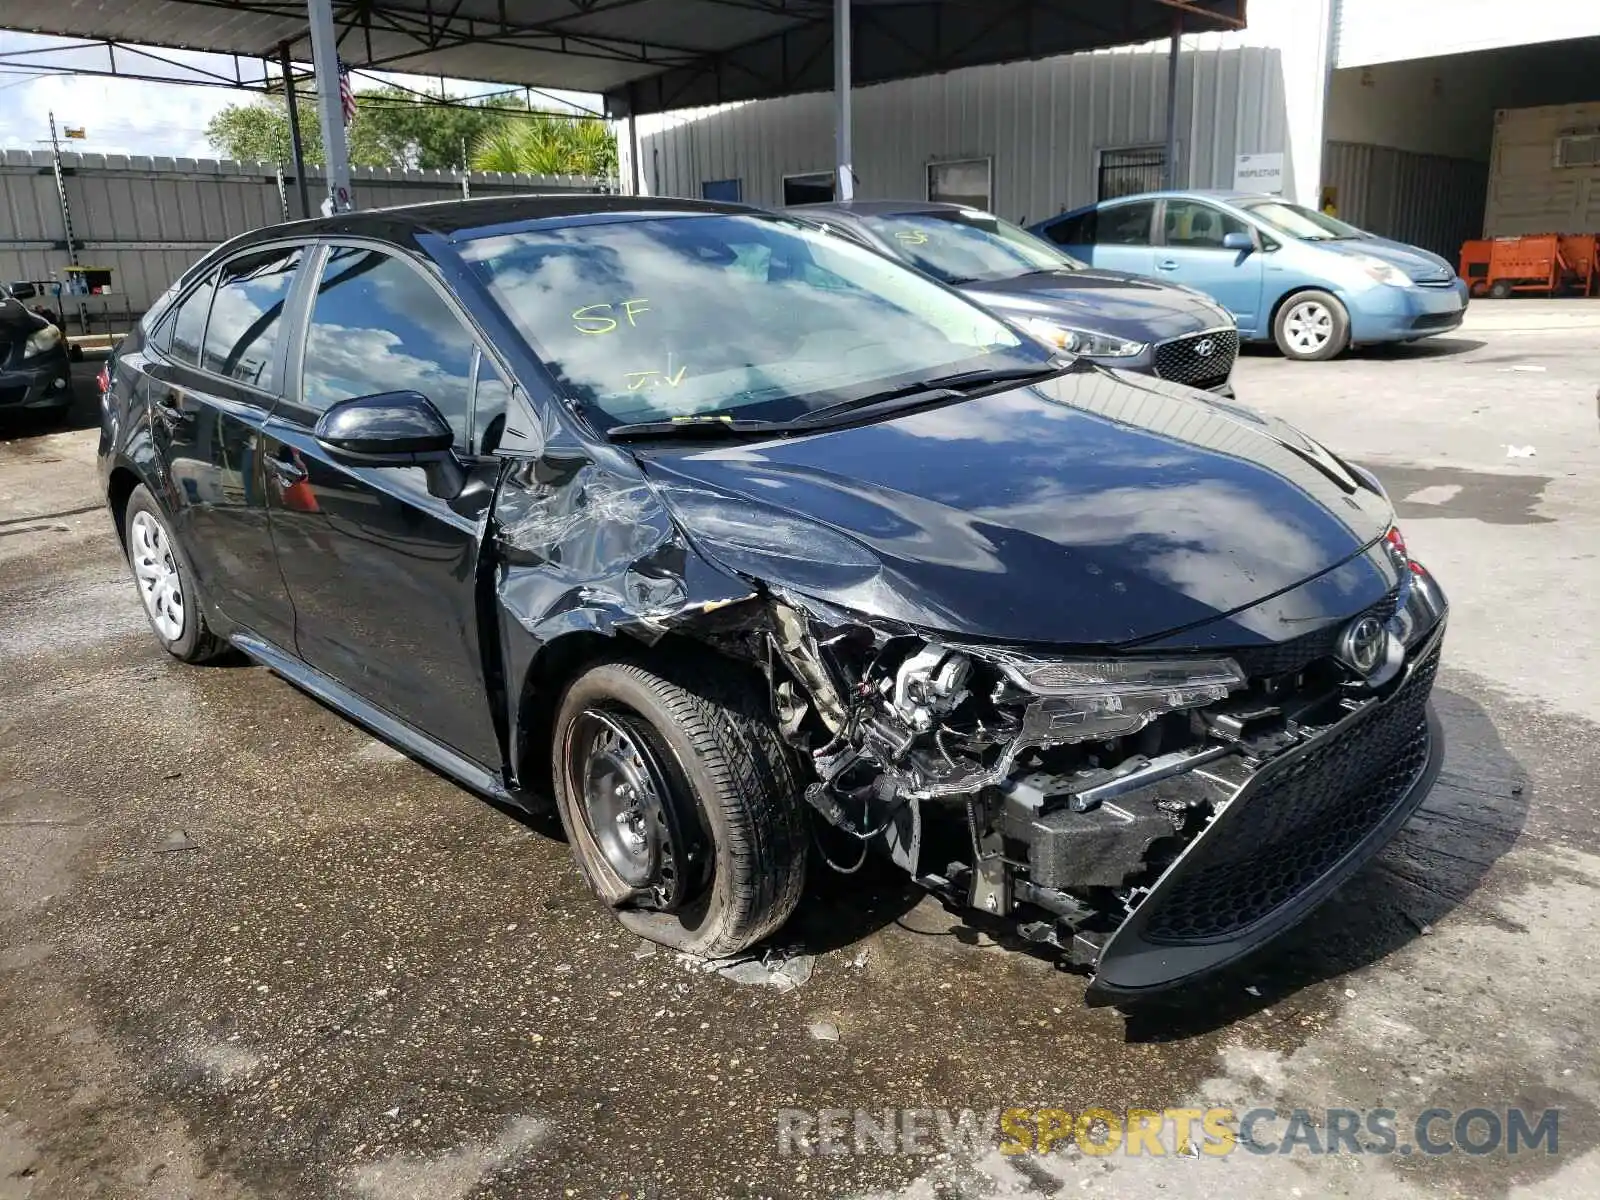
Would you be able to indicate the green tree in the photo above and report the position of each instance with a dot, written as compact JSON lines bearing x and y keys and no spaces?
{"x":259,"y":132}
{"x":537,"y":144}
{"x":396,"y":128}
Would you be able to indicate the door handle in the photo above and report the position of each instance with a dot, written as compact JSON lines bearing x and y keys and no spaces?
{"x":1166,"y":264}
{"x":287,"y":471}
{"x":168,"y":407}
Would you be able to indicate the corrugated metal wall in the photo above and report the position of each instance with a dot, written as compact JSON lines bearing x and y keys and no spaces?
{"x":1528,"y":191}
{"x":1043,"y":124}
{"x":1426,"y":200}
{"x":148,"y":218}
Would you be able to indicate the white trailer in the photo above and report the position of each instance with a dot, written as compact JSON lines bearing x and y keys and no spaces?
{"x":1544,"y":171}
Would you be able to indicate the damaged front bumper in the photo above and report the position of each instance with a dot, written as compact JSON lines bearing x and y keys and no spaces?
{"x":1285,"y":834}
{"x":1171,"y":845}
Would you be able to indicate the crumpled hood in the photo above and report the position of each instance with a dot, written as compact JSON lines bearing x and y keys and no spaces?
{"x":1104,"y":301}
{"x":1417,"y":263}
{"x":1097,"y":508}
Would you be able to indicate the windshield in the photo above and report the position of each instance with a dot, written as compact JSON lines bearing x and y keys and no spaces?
{"x":669,"y":317}
{"x":966,"y":246}
{"x":1297,"y":221}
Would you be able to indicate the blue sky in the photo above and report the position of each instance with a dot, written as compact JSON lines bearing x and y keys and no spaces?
{"x":125,"y":116}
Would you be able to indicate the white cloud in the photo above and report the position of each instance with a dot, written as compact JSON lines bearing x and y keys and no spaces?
{"x":128,"y":116}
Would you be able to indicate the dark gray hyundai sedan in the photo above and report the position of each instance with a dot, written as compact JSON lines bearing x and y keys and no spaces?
{"x":1115,"y":319}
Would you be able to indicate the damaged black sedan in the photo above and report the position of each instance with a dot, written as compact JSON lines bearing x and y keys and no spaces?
{"x":753,"y":550}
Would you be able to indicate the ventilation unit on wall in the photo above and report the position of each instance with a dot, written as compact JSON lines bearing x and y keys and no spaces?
{"x":1578,"y":149}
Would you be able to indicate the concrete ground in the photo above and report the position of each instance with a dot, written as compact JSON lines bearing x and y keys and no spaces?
{"x":248,"y":951}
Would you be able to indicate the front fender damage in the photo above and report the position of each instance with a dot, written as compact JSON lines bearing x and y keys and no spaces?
{"x":989,"y":774}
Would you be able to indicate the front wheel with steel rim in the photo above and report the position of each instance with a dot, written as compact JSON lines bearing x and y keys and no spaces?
{"x":679,"y":802}
{"x":1311,"y":326}
{"x":165,"y":581}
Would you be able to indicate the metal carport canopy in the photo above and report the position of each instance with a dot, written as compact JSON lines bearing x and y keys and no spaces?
{"x":644,"y":55}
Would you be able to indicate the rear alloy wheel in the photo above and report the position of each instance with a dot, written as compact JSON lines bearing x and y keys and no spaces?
{"x":1311,"y":326}
{"x":166,"y":582}
{"x":680,"y":804}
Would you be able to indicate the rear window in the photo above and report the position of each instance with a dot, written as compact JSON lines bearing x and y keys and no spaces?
{"x":1073,"y":231}
{"x":1126,"y":224}
{"x":189,"y":323}
{"x":246,"y":315}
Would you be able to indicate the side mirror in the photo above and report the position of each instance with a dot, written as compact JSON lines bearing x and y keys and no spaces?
{"x":394,"y":429}
{"x":1238,"y":241}
{"x":22,"y":290}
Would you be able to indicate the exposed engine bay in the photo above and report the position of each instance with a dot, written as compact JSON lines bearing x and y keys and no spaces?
{"x":1058,"y":791}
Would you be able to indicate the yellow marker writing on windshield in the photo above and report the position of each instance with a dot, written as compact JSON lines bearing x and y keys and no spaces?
{"x":592,"y":319}
{"x":912,"y":237}
{"x":639,"y":379}
{"x":590,"y":324}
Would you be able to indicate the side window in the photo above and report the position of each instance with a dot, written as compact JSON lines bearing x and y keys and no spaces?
{"x":189,"y":323}
{"x":1073,"y":231}
{"x":491,"y":396}
{"x":1196,"y":225}
{"x":377,"y":326}
{"x":246,"y":316}
{"x":1126,"y":224}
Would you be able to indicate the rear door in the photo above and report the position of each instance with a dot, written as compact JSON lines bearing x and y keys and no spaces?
{"x":1122,"y":237}
{"x":383,"y":575}
{"x":213,"y":367}
{"x":1192,"y":253}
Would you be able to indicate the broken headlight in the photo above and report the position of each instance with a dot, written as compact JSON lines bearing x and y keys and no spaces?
{"x":1098,"y":699}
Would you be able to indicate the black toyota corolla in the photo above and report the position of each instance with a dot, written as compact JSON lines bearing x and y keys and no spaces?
{"x":752,"y":549}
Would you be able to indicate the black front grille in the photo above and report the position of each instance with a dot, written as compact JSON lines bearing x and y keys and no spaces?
{"x":1441,"y":320}
{"x":1296,"y":654}
{"x":1299,"y":819}
{"x":1181,"y":360}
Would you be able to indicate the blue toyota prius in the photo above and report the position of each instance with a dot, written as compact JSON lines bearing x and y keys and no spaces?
{"x":1289,"y":274}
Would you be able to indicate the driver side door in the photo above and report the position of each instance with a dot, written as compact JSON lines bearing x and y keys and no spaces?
{"x":383,"y":575}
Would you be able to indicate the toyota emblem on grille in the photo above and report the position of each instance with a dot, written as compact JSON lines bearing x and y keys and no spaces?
{"x":1204,"y":348}
{"x":1362,"y":645}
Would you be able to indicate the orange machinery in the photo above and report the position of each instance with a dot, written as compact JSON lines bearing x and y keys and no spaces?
{"x":1550,"y":263}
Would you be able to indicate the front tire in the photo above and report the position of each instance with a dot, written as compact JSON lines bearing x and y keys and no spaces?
{"x":166,"y":582}
{"x":1311,"y":326}
{"x":680,"y":803}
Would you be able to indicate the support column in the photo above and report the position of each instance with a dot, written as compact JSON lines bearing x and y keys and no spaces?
{"x":1169,"y":169}
{"x":845,"y":187}
{"x":633,"y":145}
{"x":325,"y":60}
{"x":296,"y":145}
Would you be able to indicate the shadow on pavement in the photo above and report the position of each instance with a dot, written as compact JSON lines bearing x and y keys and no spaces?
{"x":1434,"y":347}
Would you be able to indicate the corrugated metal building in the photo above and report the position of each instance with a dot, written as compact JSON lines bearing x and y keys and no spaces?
{"x":1383,"y":111}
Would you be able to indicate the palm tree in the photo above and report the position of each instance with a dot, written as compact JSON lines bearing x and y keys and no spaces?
{"x":538,"y":144}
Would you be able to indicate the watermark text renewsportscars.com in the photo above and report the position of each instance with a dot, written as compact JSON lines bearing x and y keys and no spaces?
{"x":1155,"y":1132}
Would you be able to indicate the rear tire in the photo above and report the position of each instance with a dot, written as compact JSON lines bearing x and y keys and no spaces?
{"x":165,"y":581}
{"x":1311,"y":327}
{"x":732,"y":828}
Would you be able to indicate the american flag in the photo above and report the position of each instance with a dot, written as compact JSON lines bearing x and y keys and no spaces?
{"x":347,"y":94}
